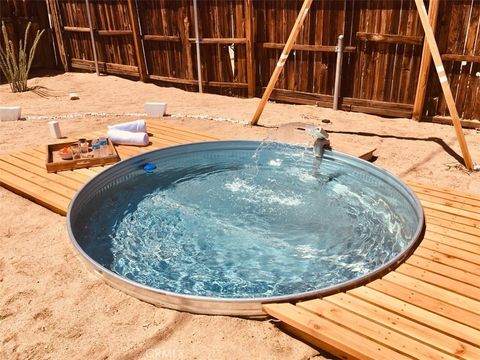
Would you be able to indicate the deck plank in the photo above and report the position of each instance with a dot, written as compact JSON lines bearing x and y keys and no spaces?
{"x":450,"y":224}
{"x":338,"y":340}
{"x":440,"y":281}
{"x":436,"y":267}
{"x":451,"y":251}
{"x":460,"y":235}
{"x":379,"y":333}
{"x":441,"y":215}
{"x":447,"y":259}
{"x":426,"y":302}
{"x":18,"y":163}
{"x":29,"y":159}
{"x":402,"y":324}
{"x":457,"y":243}
{"x":444,"y":190}
{"x":450,"y":210}
{"x":442,"y":196}
{"x":30,"y":190}
{"x":47,"y":183}
{"x":418,"y":314}
{"x":445,"y":296}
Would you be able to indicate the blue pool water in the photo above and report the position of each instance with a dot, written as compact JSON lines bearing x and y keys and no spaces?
{"x":247,"y":223}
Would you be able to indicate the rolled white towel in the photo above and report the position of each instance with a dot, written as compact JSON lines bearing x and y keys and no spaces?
{"x":120,"y":137}
{"x":133,"y":126}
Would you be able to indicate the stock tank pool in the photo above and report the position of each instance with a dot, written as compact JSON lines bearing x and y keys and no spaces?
{"x":222,"y":227}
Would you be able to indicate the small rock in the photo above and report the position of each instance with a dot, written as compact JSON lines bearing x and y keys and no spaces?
{"x":73,"y":96}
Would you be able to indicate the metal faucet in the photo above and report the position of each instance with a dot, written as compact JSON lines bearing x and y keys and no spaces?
{"x":321,"y":140}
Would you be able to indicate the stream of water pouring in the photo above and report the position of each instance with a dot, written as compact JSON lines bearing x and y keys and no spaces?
{"x":318,"y":141}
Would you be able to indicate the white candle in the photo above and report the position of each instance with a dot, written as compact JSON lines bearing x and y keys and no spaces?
{"x":54,"y":128}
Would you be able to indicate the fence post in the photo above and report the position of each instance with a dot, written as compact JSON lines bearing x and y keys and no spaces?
{"x":425,"y":65}
{"x":251,"y":68}
{"x":133,"y":13}
{"x":56,"y":23}
{"x":338,"y":72}
{"x":197,"y":46}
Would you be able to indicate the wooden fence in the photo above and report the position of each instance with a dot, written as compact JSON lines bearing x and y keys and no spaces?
{"x":241,"y":40}
{"x":458,"y":37}
{"x":16,"y":14}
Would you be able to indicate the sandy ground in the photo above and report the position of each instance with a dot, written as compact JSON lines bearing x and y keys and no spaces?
{"x":52,"y":307}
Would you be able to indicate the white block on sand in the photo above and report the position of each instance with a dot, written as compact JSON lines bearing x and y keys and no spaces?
{"x":10,"y":113}
{"x":155,"y":108}
{"x":54,"y":128}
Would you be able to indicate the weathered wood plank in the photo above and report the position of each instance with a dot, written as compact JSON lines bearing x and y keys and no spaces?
{"x":428,"y":303}
{"x":390,"y":38}
{"x":440,"y":281}
{"x":422,"y":288}
{"x":413,"y":329}
{"x":451,"y":217}
{"x":336,"y":339}
{"x":447,"y":259}
{"x":380,"y":333}
{"x":418,"y":313}
{"x":450,"y":210}
{"x":436,"y":267}
{"x":460,"y":244}
{"x":453,"y":233}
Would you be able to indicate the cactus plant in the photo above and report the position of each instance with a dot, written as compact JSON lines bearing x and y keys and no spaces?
{"x":16,"y":67}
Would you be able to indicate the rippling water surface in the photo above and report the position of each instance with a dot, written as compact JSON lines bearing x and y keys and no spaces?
{"x":244,"y":224}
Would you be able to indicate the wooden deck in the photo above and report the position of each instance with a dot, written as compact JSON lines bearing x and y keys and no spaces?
{"x":24,"y":172}
{"x":428,"y":308}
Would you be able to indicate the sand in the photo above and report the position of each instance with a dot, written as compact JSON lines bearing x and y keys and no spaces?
{"x":51,"y":306}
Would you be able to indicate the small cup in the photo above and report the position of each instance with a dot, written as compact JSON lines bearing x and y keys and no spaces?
{"x":76,"y":151}
{"x":83,"y":146}
{"x":96,"y":150}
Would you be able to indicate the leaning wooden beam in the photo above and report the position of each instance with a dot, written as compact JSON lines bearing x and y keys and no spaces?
{"x":447,"y":92}
{"x":92,"y":37}
{"x":283,"y":58}
{"x":425,"y":65}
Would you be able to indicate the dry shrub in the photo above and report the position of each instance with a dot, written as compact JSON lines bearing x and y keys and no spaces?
{"x":15,"y":67}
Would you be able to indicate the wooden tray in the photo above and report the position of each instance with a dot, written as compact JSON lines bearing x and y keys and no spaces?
{"x":55,"y":163}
